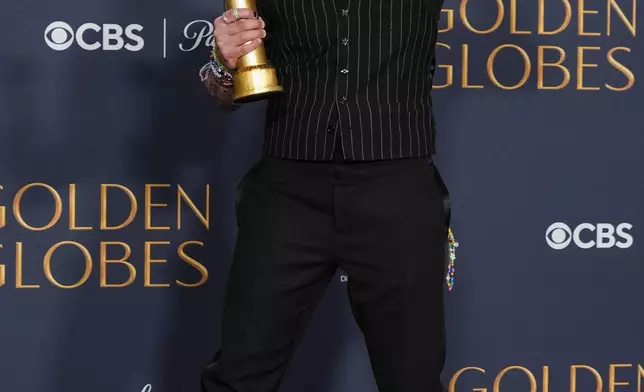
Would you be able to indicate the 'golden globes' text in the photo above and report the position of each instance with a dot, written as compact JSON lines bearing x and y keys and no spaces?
{"x":546,"y":63}
{"x":141,"y":216}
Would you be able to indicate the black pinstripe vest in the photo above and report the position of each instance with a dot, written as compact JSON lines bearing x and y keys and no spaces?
{"x":359,"y":70}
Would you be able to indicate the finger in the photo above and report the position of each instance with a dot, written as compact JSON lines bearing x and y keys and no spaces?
{"x":244,"y":25}
{"x":244,"y":13}
{"x":219,"y":22}
{"x":245,"y":36}
{"x":249,"y":46}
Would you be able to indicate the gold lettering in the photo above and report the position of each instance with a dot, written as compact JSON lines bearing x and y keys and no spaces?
{"x":527,"y":67}
{"x":88,"y":265}
{"x":194,"y":263}
{"x":546,"y":379}
{"x":513,"y":19}
{"x":58,"y":210}
{"x":450,"y":21}
{"x":573,"y":377}
{"x":149,"y":205}
{"x":630,"y":25}
{"x":182,"y":195}
{"x":2,"y":272}
{"x":499,"y":19}
{"x":148,"y":263}
{"x":541,"y":65}
{"x":581,"y":13}
{"x":133,"y":206}
{"x":19,"y":284}
{"x":621,"y":68}
{"x":581,"y":65}
{"x":542,"y":18}
{"x":3,"y":213}
{"x":499,"y":377}
{"x":72,"y":210}
{"x":466,"y":68}
{"x":455,"y":377}
{"x":122,"y":260}
{"x":611,"y":377}
{"x":449,"y":69}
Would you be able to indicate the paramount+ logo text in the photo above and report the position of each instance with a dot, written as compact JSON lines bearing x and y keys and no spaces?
{"x":587,"y":235}
{"x":61,"y":36}
{"x":117,"y":237}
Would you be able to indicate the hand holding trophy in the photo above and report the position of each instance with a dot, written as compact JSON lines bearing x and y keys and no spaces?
{"x":239,"y":44}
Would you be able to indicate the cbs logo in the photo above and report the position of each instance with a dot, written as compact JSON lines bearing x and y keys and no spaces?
{"x":602,"y":235}
{"x":60,"y":36}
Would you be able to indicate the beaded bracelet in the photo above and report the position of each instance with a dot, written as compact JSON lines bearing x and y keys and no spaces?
{"x":452,"y":245}
{"x":218,"y":70}
{"x":214,"y":56}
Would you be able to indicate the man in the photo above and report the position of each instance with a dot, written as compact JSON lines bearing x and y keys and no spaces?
{"x":346,"y":181}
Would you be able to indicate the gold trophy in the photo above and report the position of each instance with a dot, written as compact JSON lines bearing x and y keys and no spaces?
{"x":254,"y":78}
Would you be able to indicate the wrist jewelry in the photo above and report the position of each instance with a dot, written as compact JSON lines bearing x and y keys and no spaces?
{"x":452,"y":245}
{"x":220,"y":72}
{"x":214,"y":56}
{"x":223,"y":76}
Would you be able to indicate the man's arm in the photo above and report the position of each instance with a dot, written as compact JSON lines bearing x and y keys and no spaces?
{"x":234,"y":36}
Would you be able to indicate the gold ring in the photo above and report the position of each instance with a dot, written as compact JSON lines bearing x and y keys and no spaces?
{"x":225,"y":18}
{"x":236,"y":14}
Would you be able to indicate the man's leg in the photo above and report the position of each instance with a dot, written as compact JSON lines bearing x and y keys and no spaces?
{"x":281,"y":267}
{"x":393,"y":248}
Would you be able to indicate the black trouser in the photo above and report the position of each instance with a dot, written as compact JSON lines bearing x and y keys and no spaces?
{"x":382,"y":222}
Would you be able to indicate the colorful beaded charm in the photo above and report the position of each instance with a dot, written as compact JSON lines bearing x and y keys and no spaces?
{"x":452,"y":245}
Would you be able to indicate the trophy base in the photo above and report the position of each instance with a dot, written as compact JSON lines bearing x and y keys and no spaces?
{"x":255,"y":83}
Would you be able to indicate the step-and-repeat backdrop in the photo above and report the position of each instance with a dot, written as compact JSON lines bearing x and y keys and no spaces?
{"x":118,"y":175}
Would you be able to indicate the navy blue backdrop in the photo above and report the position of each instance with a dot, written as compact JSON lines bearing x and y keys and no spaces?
{"x":117,"y":176}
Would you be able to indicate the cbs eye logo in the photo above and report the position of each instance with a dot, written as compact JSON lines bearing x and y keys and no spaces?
{"x":559,"y":235}
{"x":60,"y":36}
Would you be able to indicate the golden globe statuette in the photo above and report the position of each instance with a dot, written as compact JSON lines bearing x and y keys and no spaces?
{"x":254,"y":78}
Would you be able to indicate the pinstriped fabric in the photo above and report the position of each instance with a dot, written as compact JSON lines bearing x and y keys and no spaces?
{"x":358,"y":70}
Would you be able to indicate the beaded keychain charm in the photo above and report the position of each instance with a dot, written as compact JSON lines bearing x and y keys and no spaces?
{"x":452,"y":245}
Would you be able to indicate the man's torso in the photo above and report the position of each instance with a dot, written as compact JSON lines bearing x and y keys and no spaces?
{"x":358,"y":70}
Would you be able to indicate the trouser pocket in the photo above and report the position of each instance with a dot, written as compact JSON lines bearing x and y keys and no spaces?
{"x":447,"y":202}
